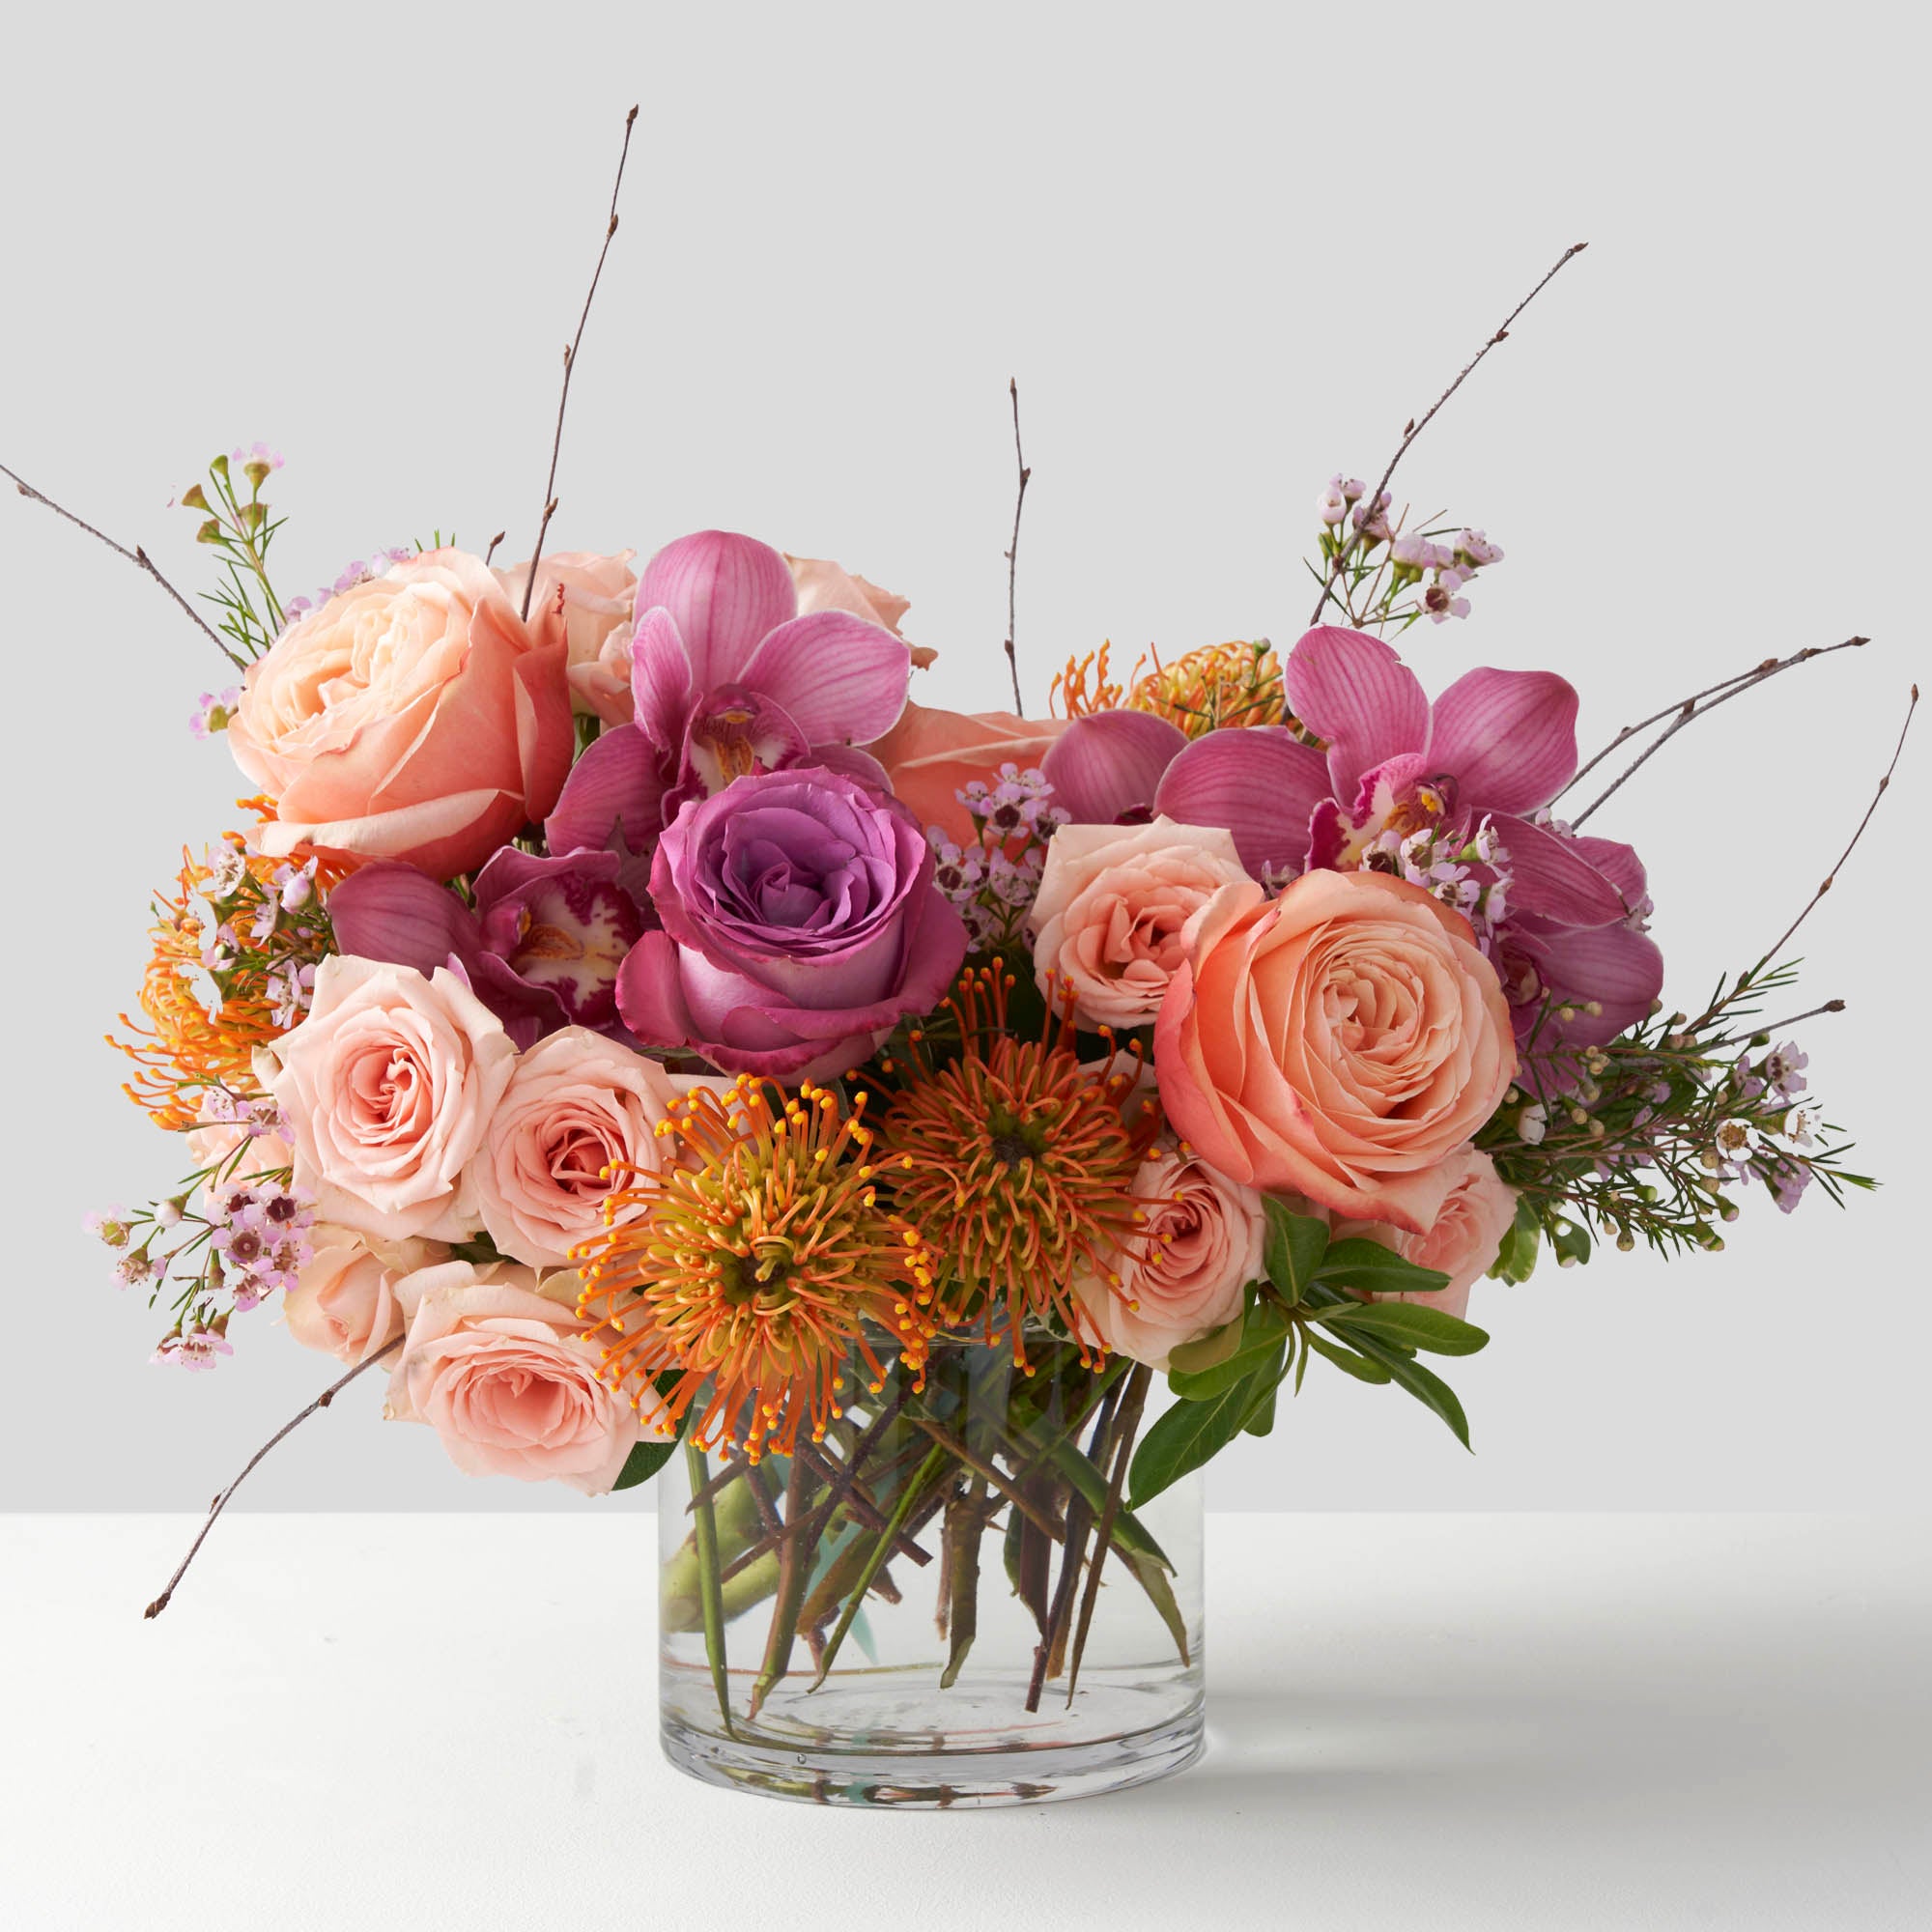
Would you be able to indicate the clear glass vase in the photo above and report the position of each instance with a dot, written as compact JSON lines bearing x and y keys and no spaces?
{"x":943,"y":1602}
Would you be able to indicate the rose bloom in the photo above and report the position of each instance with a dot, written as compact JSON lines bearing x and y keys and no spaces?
{"x":345,"y":1303}
{"x":801,"y":922}
{"x":584,"y":600}
{"x":1205,"y":1236}
{"x":930,"y":754}
{"x":576,"y":1105}
{"x":508,"y":1380}
{"x":1338,"y":1042}
{"x":388,"y":1086}
{"x":411,"y":717}
{"x":1112,"y":902}
{"x":822,"y":585}
{"x":1464,"y":1240}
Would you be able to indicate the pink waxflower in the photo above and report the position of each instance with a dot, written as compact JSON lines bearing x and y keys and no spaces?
{"x":216,"y":709}
{"x":196,"y":1348}
{"x":728,"y":679}
{"x":1439,"y":601}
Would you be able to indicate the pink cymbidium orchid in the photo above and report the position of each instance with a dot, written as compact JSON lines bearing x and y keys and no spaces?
{"x":727,"y":679}
{"x":1495,"y":748}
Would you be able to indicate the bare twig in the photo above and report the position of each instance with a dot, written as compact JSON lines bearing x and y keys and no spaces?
{"x":570,"y":364}
{"x":1784,"y":938}
{"x":294,"y":1422}
{"x":1797,"y":1019}
{"x":1417,"y":426}
{"x":1131,"y":1405}
{"x":494,"y":542}
{"x":1694,"y":707}
{"x":137,"y":557}
{"x":1012,"y":554}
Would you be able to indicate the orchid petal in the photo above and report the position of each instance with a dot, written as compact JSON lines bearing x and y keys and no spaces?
{"x":1618,"y":864}
{"x":1611,"y":966}
{"x":660,"y":679}
{"x":1550,"y":876}
{"x":1110,"y":763}
{"x":1354,"y":689}
{"x":723,"y":592}
{"x":1261,"y":785}
{"x":1507,"y":737}
{"x":617,"y":781}
{"x":392,"y":912}
{"x":843,"y":680}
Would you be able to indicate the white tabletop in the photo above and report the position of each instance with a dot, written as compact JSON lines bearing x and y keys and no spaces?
{"x":1416,"y":1721}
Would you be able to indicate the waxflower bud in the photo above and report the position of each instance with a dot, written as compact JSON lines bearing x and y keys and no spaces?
{"x":193,"y":498}
{"x":210,"y":533}
{"x":256,"y":472}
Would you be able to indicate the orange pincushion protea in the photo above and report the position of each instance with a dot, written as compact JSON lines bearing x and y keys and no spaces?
{"x":1027,"y":1157}
{"x":1211,"y":688}
{"x":753,"y":1261}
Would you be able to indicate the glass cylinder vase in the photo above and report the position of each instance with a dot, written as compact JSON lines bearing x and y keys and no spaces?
{"x":943,"y":1602}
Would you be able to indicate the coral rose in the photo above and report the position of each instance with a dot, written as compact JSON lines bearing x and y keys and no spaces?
{"x":586,"y":600}
{"x":1464,"y":1240}
{"x":1338,"y":1041}
{"x":508,"y":1380}
{"x":1112,"y":904}
{"x":1205,"y":1234}
{"x":345,"y":1303}
{"x":823,"y":586}
{"x":576,"y":1105}
{"x":930,"y":754}
{"x":388,"y":1086}
{"x":412,"y":717}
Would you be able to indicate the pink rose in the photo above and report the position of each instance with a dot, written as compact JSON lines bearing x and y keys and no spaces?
{"x":929,"y":754}
{"x":1112,"y":902}
{"x":345,"y":1303}
{"x":1204,"y":1245}
{"x":584,"y":600}
{"x":821,"y":585}
{"x":411,"y":717}
{"x":389,"y":1084}
{"x":508,"y":1380}
{"x":1464,"y":1240}
{"x":577,"y":1104}
{"x":1338,"y":1042}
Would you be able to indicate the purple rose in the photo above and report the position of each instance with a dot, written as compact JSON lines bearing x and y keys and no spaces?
{"x":800,"y":925}
{"x":541,"y":949}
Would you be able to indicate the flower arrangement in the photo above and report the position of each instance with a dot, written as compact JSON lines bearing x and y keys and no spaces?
{"x":632,"y":1023}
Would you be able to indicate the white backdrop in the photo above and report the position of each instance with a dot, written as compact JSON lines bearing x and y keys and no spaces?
{"x":1224,"y":255}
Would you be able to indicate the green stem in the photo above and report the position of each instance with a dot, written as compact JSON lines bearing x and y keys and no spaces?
{"x":965,"y":1524}
{"x":710,"y":1587}
{"x":794,"y":1571}
{"x":882,"y":1544}
{"x":1128,"y":1424}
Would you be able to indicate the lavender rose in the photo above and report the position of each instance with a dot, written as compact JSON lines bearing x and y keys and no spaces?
{"x":800,"y":924}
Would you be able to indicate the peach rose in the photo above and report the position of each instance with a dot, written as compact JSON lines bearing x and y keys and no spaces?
{"x":1205,"y":1233}
{"x":586,"y":601}
{"x":508,"y":1380}
{"x":821,"y":585}
{"x":577,"y":1104}
{"x":1112,"y":902}
{"x":929,"y":754}
{"x":1338,"y":1041}
{"x":345,"y":1303}
{"x":1464,"y":1240}
{"x":411,"y":717}
{"x":389,"y":1084}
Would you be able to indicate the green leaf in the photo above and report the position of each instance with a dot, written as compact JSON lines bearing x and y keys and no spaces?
{"x":1374,"y":1270}
{"x":1129,"y":1532}
{"x":1516,"y":1258}
{"x":644,"y":1463}
{"x":1570,"y":1242}
{"x":1160,"y":1593}
{"x":1293,"y":1249}
{"x":1359,"y":1366}
{"x":1415,"y":1327}
{"x":1427,"y":1387}
{"x":1192,"y":1357}
{"x":1191,"y":1432}
{"x":1262,"y":1421}
{"x":1262,"y":1333}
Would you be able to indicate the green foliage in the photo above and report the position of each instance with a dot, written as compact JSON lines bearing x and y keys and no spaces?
{"x":1293,"y":1249}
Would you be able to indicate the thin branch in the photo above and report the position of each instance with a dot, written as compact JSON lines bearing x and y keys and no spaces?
{"x":1694,"y":707}
{"x":136,"y":556}
{"x":570,"y":364}
{"x":1012,"y":554}
{"x":494,"y":542}
{"x":1415,"y":429}
{"x":1797,"y":1019}
{"x":1131,"y":1405}
{"x":1784,"y":938}
{"x":294,"y":1422}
